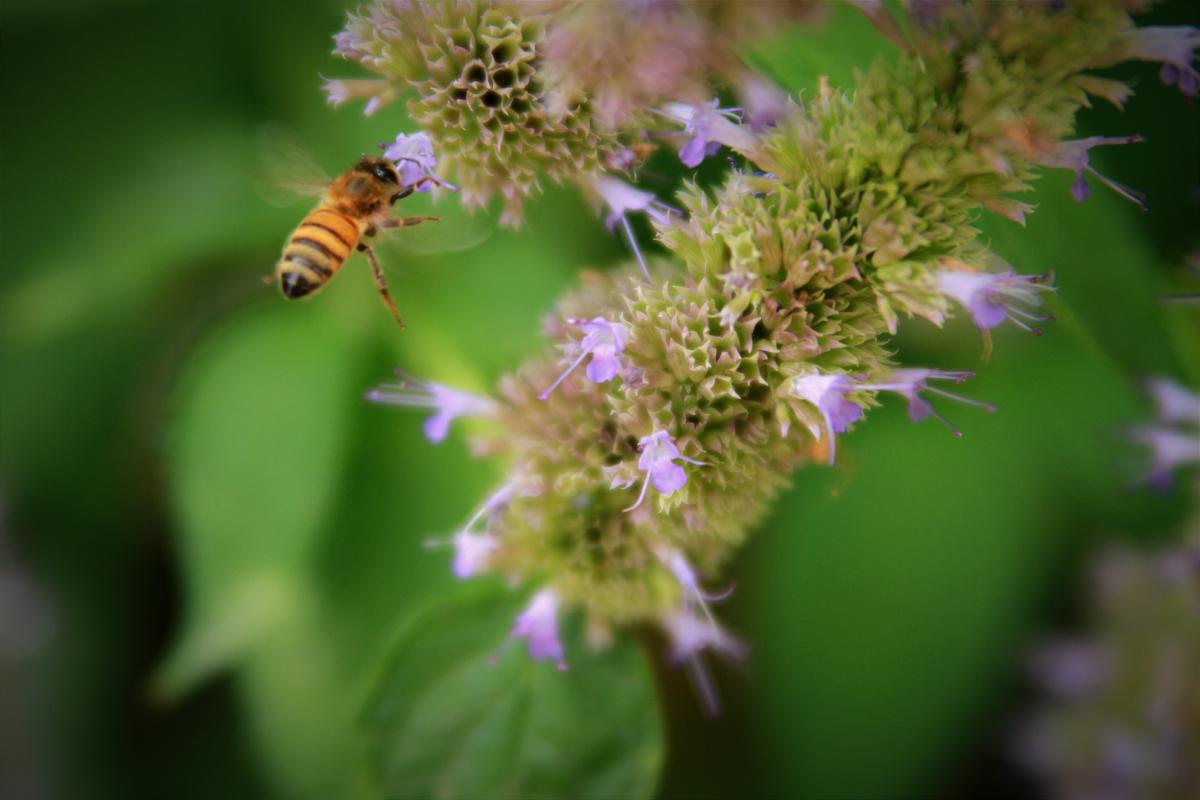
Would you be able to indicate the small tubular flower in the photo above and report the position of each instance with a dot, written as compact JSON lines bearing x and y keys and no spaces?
{"x":658,"y":462}
{"x":448,"y":404}
{"x":1175,"y":48}
{"x":708,"y":127}
{"x":538,"y":625}
{"x":604,"y":341}
{"x":474,"y":543}
{"x":682,"y":571}
{"x":377,"y":93}
{"x":1070,"y":668}
{"x":828,"y":394}
{"x":992,"y":297}
{"x":691,"y":634}
{"x":472,"y":552}
{"x":621,"y":198}
{"x":910,"y":383}
{"x":1174,"y":403}
{"x":764,"y":102}
{"x":414,"y":157}
{"x":1169,"y":449}
{"x":1074,"y":155}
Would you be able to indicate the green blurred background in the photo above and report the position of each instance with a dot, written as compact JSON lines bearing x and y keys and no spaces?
{"x":207,"y":537}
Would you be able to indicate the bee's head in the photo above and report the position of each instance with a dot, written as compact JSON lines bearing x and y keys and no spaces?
{"x":379,"y":168}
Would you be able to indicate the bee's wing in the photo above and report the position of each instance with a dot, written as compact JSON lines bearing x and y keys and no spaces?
{"x":289,"y":172}
{"x":456,"y":230}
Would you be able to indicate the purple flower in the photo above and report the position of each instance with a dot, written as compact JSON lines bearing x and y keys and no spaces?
{"x":1174,"y":403}
{"x":377,"y":93}
{"x":909,"y":383}
{"x":449,"y":404}
{"x":992,"y":297}
{"x":698,"y":126}
{"x":473,"y":544}
{"x":682,"y":571}
{"x":828,"y":393}
{"x":1174,"y":48}
{"x":765,"y":103}
{"x":472,"y":552}
{"x":413,"y":154}
{"x":621,"y":198}
{"x":690,"y":634}
{"x":1169,"y":450}
{"x":538,"y":624}
{"x":1074,"y":155}
{"x":1070,"y":668}
{"x":709,"y":127}
{"x":349,"y":46}
{"x":604,"y":341}
{"x":658,"y":462}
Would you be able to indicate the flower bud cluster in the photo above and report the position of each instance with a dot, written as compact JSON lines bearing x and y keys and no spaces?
{"x":475,"y":70}
{"x":511,"y":91}
{"x":683,"y":392}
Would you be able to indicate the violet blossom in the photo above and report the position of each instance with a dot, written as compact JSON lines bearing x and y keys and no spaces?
{"x":415,"y":161}
{"x":708,"y":127}
{"x":682,"y":571}
{"x":604,"y":341}
{"x":474,"y":544}
{"x":910,"y":383}
{"x":658,"y":462}
{"x":764,"y":102}
{"x":1174,"y":403}
{"x":1174,"y":47}
{"x":377,"y":93}
{"x":538,"y":625}
{"x":621,"y":198}
{"x":1074,"y":155}
{"x":690,"y":635}
{"x":448,"y":404}
{"x":1070,"y":668}
{"x":472,"y":552}
{"x":992,"y":297}
{"x":1169,"y":449}
{"x":828,"y":394}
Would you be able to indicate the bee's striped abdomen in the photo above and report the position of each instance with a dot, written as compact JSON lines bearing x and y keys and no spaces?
{"x":315,"y":251}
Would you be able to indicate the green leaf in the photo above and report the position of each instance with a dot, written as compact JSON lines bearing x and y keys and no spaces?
{"x":257,"y":449}
{"x":798,"y":57}
{"x":445,"y":722}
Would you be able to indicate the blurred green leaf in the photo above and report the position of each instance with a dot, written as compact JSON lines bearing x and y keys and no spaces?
{"x":798,"y":57}
{"x":444,"y":722}
{"x":257,"y":448}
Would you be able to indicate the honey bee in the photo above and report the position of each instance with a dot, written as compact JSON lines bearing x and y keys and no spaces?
{"x":356,"y":206}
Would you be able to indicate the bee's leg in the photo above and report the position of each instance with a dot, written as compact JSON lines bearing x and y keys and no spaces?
{"x":405,"y":222}
{"x":381,"y":284}
{"x":412,"y":187}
